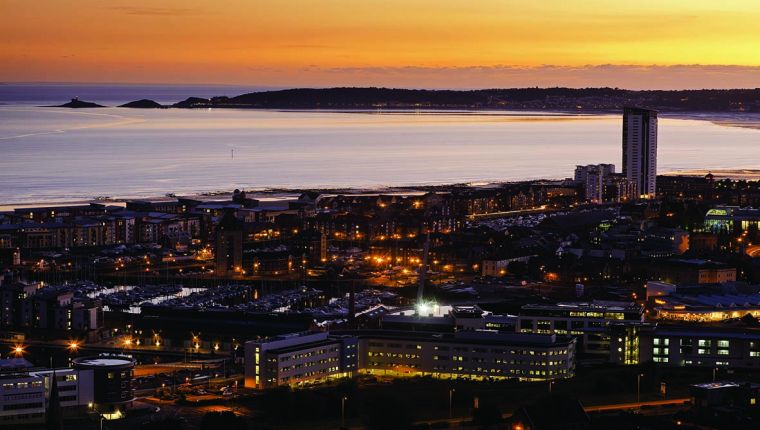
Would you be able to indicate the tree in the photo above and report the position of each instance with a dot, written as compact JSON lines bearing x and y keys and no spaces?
{"x":164,"y":423}
{"x":386,"y":412}
{"x":486,"y":415}
{"x":517,"y":268}
{"x":226,"y":420}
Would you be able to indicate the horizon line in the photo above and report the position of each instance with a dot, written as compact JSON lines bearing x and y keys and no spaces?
{"x":264,"y":88}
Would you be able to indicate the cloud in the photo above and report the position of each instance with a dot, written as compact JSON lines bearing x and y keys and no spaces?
{"x":303,"y":46}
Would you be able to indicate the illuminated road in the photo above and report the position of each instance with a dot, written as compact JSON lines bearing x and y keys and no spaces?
{"x":634,"y":405}
{"x":753,"y":251}
{"x":515,"y":213}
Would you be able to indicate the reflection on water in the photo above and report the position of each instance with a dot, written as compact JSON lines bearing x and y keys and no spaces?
{"x":59,"y":154}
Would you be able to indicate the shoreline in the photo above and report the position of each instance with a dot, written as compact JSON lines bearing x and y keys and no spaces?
{"x":277,"y":194}
{"x":272,"y":194}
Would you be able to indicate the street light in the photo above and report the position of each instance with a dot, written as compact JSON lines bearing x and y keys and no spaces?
{"x":550,"y":386}
{"x":451,"y":402}
{"x":638,"y":387}
{"x":100,"y":416}
{"x":18,"y":350}
{"x":343,"y":411}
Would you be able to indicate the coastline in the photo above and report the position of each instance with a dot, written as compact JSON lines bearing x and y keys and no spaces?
{"x":278,"y":194}
{"x":269,"y":194}
{"x":725,"y":119}
{"x":718,"y":174}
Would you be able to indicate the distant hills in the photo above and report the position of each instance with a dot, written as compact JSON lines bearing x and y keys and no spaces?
{"x":549,"y":99}
{"x":591,"y":99}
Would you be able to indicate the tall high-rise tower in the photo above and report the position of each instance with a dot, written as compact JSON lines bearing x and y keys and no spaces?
{"x":640,"y":149}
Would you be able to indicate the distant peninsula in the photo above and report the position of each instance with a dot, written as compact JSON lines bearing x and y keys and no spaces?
{"x":550,"y":99}
{"x":75,"y":103}
{"x":143,"y":104}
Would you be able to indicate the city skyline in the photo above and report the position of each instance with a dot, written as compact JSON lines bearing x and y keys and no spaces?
{"x":375,"y":215}
{"x":674,"y":44}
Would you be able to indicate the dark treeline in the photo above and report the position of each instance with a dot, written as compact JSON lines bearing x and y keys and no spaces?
{"x":593,"y":99}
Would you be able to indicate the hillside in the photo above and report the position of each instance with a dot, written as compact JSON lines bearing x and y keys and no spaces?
{"x":592,"y":99}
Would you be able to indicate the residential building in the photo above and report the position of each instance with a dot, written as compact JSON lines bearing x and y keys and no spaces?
{"x":592,"y":178}
{"x":618,"y":188}
{"x":32,"y":306}
{"x":689,"y":271}
{"x":640,"y":149}
{"x":498,"y":267}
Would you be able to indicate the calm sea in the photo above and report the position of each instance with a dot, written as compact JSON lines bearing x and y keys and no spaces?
{"x":56,"y":154}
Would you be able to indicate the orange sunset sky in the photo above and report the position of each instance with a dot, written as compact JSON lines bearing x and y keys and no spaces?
{"x":401,"y":43}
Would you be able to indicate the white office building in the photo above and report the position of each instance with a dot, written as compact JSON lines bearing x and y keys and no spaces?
{"x":468,"y":354}
{"x":449,"y":347}
{"x":24,"y":395}
{"x":587,"y":321}
{"x":299,"y":358}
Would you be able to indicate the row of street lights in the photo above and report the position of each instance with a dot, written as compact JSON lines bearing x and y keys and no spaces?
{"x":18,"y":350}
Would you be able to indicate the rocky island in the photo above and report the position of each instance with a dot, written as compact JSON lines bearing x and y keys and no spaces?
{"x":143,"y":104}
{"x":75,"y":103}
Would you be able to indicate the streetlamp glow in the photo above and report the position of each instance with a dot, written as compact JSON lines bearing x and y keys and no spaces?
{"x":18,"y":350}
{"x":424,"y":308}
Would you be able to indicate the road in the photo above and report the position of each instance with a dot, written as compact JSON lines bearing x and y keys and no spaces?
{"x":635,"y":405}
{"x":464,"y":421}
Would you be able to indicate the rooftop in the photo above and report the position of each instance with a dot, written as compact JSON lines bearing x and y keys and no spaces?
{"x":587,"y":306}
{"x":716,"y":385}
{"x":479,"y":337}
{"x":105,"y":360}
